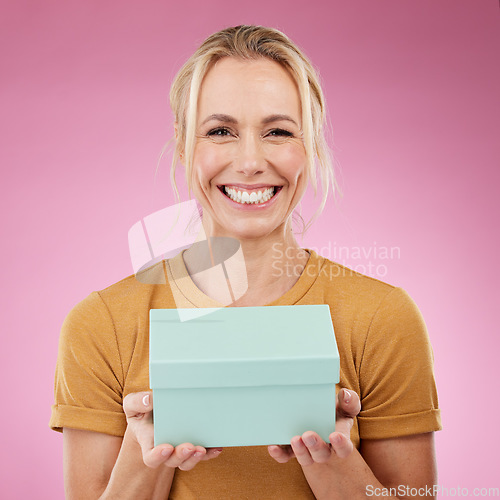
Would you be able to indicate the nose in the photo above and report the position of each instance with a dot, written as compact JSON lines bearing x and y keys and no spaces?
{"x":250,"y":158}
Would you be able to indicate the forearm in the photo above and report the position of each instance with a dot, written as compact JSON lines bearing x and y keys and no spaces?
{"x":341,"y":478}
{"x":132,"y":479}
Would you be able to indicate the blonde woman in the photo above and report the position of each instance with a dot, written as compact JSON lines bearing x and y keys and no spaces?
{"x":249,"y":115}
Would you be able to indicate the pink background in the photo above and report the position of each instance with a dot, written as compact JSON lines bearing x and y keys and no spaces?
{"x":412,"y":88}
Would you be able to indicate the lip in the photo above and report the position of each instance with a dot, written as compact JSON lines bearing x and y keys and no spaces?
{"x":249,"y":187}
{"x":249,"y":206}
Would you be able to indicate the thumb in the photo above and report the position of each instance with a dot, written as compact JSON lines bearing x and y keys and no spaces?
{"x":349,"y":404}
{"x":137,"y":404}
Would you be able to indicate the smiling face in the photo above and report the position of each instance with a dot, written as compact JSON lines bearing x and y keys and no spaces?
{"x":249,"y":163}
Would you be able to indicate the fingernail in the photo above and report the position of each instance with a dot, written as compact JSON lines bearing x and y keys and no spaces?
{"x":347,"y":396}
{"x":310,"y":440}
{"x":165,"y":452}
{"x":145,"y":400}
{"x":187,"y":451}
{"x":197,"y":454}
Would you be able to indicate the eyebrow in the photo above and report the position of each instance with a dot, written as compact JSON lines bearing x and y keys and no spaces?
{"x":229,"y":119}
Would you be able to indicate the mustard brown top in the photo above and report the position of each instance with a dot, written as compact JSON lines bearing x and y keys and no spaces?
{"x":385,"y":356}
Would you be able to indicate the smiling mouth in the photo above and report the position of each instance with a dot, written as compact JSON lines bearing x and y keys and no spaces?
{"x":250,"y":197}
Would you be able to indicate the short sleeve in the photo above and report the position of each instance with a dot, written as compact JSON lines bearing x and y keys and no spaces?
{"x":398,"y":390}
{"x":88,"y":388}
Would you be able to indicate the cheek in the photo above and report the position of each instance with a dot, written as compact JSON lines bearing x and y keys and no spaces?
{"x":207,"y":163}
{"x":291,"y":161}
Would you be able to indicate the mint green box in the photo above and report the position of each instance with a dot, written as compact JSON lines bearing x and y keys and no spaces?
{"x":243,"y":376}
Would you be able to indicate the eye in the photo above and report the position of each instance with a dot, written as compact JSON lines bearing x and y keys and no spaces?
{"x":219,"y":132}
{"x":279,"y":132}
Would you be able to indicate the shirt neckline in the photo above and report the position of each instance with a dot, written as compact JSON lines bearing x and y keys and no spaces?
{"x":178,"y":273}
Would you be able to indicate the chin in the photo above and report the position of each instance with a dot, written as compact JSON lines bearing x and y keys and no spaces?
{"x":249,"y":231}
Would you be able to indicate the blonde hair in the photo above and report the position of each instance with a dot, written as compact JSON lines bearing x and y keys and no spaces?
{"x":247,"y":43}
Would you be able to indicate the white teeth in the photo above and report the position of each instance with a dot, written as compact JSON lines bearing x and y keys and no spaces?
{"x":249,"y":198}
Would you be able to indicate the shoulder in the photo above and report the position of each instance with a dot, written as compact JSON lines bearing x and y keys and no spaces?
{"x":343,"y":285}
{"x":141,"y":284}
{"x":366,"y":302}
{"x":119,"y":301}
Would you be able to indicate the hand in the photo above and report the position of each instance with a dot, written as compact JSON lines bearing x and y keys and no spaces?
{"x":138,"y":408}
{"x":310,"y":448}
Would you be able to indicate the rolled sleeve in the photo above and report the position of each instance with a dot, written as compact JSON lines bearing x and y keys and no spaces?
{"x":88,"y":389}
{"x":398,"y":389}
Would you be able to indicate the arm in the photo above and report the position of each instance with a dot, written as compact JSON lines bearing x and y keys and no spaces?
{"x":408,"y":461}
{"x":107,"y":467}
{"x":337,"y":470}
{"x":399,"y":463}
{"x":98,"y":465}
{"x":89,"y":395}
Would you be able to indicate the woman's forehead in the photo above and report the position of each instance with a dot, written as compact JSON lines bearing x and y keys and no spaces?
{"x":258,"y":85}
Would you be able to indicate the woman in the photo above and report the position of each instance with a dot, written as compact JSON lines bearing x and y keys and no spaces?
{"x":249,"y":114}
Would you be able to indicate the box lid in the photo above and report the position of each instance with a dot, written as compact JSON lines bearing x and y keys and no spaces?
{"x":243,"y":346}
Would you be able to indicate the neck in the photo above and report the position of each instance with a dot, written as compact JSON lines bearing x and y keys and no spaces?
{"x":268,"y":267}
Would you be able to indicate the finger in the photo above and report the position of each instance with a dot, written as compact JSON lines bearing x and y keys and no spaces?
{"x":138,"y":408}
{"x":348,"y":403}
{"x":143,"y":431}
{"x":281,"y":453}
{"x":301,"y":451}
{"x":344,"y":426}
{"x":182,"y":453}
{"x":319,"y":450}
{"x":199,"y":453}
{"x":151,"y":455}
{"x":137,"y":404}
{"x":341,"y":445}
{"x":156,"y":456}
{"x":212,"y":453}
